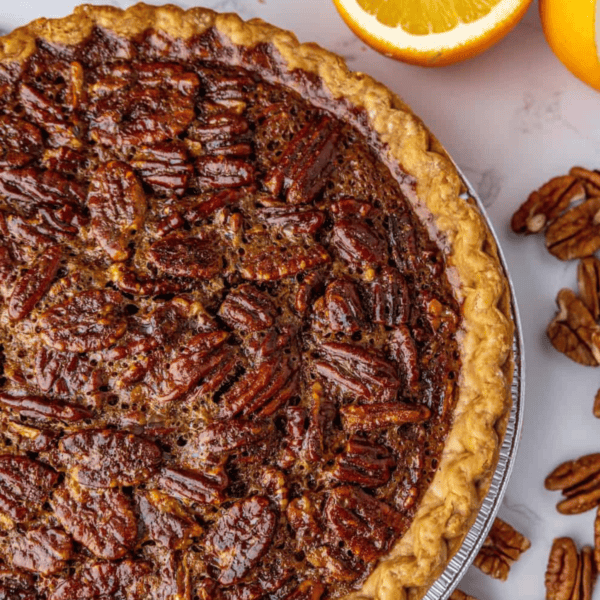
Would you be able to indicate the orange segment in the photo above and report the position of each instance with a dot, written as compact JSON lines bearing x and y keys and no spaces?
{"x":431,"y":32}
{"x":421,"y":17}
{"x":572,"y":29}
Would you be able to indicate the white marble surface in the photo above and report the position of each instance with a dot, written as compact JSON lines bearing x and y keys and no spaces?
{"x":511,"y":118}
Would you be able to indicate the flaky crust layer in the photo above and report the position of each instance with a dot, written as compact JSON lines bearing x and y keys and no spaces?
{"x":431,"y":183}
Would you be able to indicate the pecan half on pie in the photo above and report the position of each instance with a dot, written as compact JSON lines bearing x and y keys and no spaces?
{"x":255,"y":344}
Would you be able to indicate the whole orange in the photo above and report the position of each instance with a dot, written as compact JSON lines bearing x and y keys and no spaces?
{"x":572,"y":28}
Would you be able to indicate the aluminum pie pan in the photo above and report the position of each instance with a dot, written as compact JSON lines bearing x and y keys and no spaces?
{"x":461,"y":561}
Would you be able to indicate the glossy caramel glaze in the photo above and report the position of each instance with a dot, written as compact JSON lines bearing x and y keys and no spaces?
{"x":228,"y":345}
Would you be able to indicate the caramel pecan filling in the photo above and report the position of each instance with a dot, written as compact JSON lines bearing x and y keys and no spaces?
{"x":228,"y":355}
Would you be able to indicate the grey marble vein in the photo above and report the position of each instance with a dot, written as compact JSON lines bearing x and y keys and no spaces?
{"x":539,"y":113}
{"x":348,"y":47}
{"x":488,"y":184}
{"x":522,"y":510}
{"x":241,"y":8}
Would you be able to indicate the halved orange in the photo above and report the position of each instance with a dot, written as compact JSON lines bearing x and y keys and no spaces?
{"x":431,"y":32}
{"x":572,"y":28}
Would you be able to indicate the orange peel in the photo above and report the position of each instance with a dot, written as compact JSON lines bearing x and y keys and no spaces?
{"x":431,"y":34}
{"x":572,"y":29}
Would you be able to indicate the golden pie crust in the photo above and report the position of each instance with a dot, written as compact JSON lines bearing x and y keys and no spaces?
{"x":431,"y":183}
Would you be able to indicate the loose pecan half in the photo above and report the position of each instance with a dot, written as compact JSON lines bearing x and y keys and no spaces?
{"x":590,"y":179}
{"x":580,"y":500}
{"x":576,"y":234}
{"x":579,"y":481}
{"x":502,"y":547}
{"x":561,"y":571}
{"x":460,"y":595}
{"x":573,"y":330}
{"x":596,"y":409}
{"x":573,"y":472}
{"x":586,"y":575}
{"x":597,"y":539}
{"x":547,"y":203}
{"x":240,"y":537}
{"x":588,"y":280}
{"x":118,"y":206}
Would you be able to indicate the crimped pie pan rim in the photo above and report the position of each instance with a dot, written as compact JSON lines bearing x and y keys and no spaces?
{"x":449,"y":580}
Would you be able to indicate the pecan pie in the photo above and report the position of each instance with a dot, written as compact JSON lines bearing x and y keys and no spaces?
{"x":255,"y":343}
